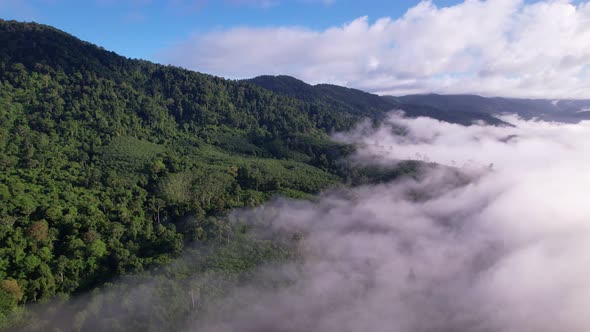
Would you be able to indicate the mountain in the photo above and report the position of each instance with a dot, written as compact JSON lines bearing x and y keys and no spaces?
{"x":544,"y":109}
{"x":365,"y":104}
{"x":111,"y":166}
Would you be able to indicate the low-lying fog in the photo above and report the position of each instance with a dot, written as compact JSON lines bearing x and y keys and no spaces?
{"x":508,"y":250}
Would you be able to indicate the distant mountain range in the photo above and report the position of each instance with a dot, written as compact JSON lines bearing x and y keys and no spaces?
{"x":565,"y":110}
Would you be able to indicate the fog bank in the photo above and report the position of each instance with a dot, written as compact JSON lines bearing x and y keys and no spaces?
{"x":499,"y":244}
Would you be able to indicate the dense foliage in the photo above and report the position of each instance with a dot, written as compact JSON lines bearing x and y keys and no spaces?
{"x":170,"y":296}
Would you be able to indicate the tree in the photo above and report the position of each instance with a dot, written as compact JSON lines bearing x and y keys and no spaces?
{"x":39,"y":231}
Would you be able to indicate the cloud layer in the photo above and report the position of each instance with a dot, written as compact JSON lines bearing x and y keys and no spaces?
{"x":501,"y":248}
{"x":495,"y":47}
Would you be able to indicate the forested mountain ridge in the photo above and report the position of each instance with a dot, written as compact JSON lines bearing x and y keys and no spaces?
{"x":366,"y":104}
{"x":100,"y":155}
{"x":336,"y":97}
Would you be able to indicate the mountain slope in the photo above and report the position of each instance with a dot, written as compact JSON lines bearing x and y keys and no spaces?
{"x":344,"y":99}
{"x":365,"y":104}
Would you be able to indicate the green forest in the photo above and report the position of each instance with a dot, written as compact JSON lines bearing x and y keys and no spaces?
{"x":113,"y":167}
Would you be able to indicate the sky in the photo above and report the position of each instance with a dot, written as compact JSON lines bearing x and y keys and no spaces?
{"x":513,"y":48}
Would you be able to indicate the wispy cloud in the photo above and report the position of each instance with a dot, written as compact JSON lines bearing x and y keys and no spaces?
{"x":499,"y":47}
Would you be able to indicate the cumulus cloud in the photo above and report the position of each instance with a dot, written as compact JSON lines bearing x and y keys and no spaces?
{"x":478,"y":248}
{"x":495,"y":47}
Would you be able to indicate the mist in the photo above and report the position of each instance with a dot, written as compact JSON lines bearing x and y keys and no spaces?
{"x":498,"y":241}
{"x":492,"y":233}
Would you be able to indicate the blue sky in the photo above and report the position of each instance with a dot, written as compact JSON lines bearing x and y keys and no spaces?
{"x":142,"y":28}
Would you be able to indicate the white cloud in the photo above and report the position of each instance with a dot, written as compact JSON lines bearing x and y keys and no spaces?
{"x":494,"y":47}
{"x":507,"y":251}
